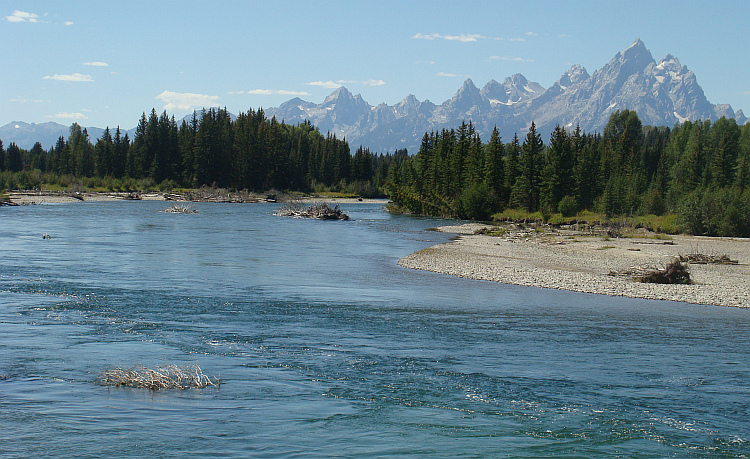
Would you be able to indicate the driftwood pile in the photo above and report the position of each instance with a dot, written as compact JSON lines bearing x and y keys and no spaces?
{"x":316,"y":210}
{"x":180,"y":209}
{"x":168,"y":377}
{"x":206,"y":194}
{"x":674,"y":273}
{"x":703,"y":259}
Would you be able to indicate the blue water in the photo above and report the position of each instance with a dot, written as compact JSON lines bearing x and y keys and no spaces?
{"x":326,"y":348}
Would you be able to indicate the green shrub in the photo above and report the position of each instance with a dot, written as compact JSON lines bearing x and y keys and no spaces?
{"x":477,"y":202}
{"x":567,"y":206}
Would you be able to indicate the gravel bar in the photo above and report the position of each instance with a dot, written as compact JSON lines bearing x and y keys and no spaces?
{"x":585,"y":263}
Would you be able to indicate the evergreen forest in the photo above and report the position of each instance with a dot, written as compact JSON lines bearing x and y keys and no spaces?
{"x":697,"y":172}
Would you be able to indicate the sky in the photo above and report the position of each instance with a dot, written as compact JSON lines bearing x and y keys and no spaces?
{"x":104,"y":63}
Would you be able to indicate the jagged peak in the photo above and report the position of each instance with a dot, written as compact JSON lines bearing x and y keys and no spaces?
{"x":341,"y":92}
{"x":573,"y":75}
{"x":669,"y":62}
{"x":516,"y":79}
{"x":409,"y":100}
{"x":468,"y":85}
{"x":636,"y":53}
{"x":637,"y":44}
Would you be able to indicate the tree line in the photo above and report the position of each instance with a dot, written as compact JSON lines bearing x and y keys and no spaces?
{"x":698,"y":170}
{"x":249,"y":152}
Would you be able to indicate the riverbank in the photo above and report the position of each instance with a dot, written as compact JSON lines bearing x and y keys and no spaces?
{"x":587,"y":262}
{"x":22,"y":198}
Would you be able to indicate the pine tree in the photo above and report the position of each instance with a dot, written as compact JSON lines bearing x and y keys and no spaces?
{"x":494,"y":165}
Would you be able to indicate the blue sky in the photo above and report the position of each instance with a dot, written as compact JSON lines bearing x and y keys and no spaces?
{"x":103,"y":63}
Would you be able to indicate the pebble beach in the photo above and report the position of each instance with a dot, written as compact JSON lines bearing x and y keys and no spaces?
{"x":590,"y":263}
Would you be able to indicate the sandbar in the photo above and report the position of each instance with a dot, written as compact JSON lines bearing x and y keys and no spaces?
{"x":591,"y":263}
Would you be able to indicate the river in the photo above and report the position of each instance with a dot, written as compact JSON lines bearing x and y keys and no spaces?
{"x":327,"y":348}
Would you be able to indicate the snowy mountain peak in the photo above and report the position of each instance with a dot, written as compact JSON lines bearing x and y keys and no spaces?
{"x":670,"y":64}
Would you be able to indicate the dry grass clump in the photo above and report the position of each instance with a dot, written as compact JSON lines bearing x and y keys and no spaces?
{"x":167,"y":377}
{"x":180,"y":209}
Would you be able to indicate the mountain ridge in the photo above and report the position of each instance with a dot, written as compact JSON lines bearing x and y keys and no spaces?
{"x":662,"y":93}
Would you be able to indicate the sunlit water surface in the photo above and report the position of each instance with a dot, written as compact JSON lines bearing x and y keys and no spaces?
{"x":326,"y":348}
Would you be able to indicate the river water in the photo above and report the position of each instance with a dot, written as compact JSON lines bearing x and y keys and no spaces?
{"x":326,"y":348}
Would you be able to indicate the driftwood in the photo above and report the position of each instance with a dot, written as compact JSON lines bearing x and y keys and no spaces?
{"x":702,"y":259}
{"x":206,"y":194}
{"x":316,"y":210}
{"x":180,"y":209}
{"x":674,"y":273}
{"x":168,"y":377}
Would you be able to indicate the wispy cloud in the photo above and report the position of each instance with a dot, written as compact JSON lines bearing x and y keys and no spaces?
{"x":325,"y":84}
{"x":96,"y":64}
{"x":23,"y":100}
{"x":338,"y":83}
{"x":464,"y":37}
{"x":451,"y":75}
{"x":186,"y":100}
{"x":517,"y":40}
{"x":22,"y":16}
{"x":510,"y":58}
{"x":436,"y":36}
{"x":272,"y":92}
{"x":68,"y":23}
{"x":531,"y":34}
{"x":71,"y":77}
{"x":69,"y":116}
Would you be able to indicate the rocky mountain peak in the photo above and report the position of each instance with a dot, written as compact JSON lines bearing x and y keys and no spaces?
{"x":572,"y":76}
{"x":340,"y":94}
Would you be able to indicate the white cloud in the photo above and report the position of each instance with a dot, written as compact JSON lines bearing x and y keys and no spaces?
{"x":325,"y":84}
{"x":284,"y":92}
{"x":23,"y":100}
{"x":68,"y":23}
{"x":71,"y":77}
{"x":432,"y":36}
{"x":69,"y":116}
{"x":338,"y":83}
{"x":271,"y":92}
{"x":531,"y":34}
{"x":517,"y":39}
{"x":96,"y":64}
{"x":463,"y":37}
{"x":450,"y":75}
{"x":22,"y":16}
{"x":510,"y":58}
{"x":186,"y":100}
{"x":373,"y":83}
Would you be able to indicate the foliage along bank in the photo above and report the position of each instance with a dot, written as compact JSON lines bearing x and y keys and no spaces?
{"x":213,"y":148}
{"x":698,"y":170}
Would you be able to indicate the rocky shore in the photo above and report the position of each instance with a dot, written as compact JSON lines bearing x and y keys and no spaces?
{"x":584,"y":261}
{"x":200,"y":195}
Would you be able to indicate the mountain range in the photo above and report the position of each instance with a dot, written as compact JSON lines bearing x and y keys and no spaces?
{"x":662,"y":93}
